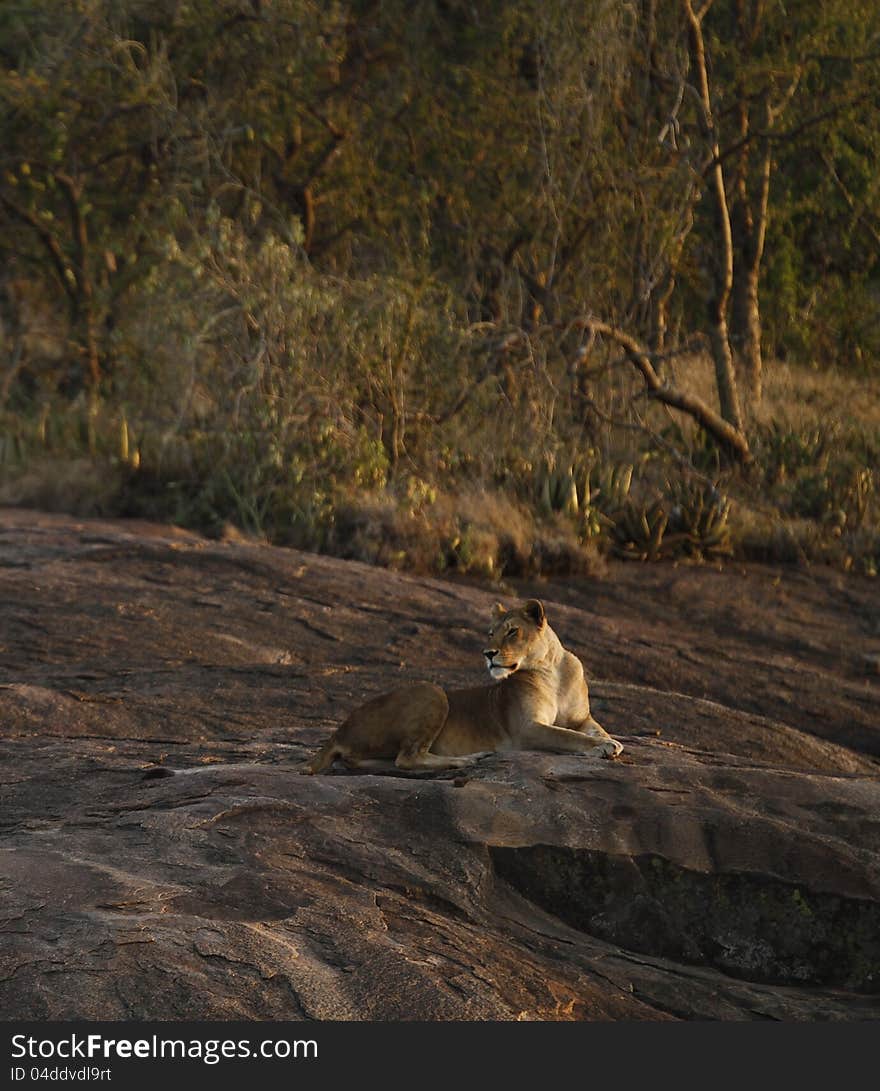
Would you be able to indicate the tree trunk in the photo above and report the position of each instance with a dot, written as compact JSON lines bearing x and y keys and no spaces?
{"x":725,"y":376}
{"x":749,"y":221}
{"x":746,"y":331}
{"x":659,"y":322}
{"x":85,"y":317}
{"x":661,"y":297}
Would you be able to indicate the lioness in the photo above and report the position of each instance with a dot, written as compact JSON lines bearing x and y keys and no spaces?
{"x":539,"y":702}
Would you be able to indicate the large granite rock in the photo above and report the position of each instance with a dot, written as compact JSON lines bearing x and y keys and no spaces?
{"x":162,"y":859}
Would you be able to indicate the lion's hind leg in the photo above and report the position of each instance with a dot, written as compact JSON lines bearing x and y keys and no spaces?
{"x":421,"y":758}
{"x":419,"y":727}
{"x":397,"y":727}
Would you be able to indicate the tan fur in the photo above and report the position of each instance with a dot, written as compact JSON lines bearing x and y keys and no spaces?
{"x":539,"y":702}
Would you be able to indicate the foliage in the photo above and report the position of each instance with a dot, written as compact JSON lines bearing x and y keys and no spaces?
{"x":270,"y":264}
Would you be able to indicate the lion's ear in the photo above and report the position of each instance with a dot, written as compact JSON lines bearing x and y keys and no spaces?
{"x":498,"y":611}
{"x":534,"y":611}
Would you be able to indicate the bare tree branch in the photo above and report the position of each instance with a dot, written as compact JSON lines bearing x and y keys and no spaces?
{"x":729,"y":437}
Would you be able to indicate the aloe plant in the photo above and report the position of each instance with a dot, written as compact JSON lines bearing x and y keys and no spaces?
{"x":698,"y":522}
{"x":639,"y":529}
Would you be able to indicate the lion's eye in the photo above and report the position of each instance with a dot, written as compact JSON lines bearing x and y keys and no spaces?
{"x":513,"y":632}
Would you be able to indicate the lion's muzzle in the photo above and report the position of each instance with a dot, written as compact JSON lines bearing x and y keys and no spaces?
{"x":498,"y":670}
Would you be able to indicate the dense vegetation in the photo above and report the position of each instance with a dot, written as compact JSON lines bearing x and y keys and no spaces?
{"x":484,"y":286}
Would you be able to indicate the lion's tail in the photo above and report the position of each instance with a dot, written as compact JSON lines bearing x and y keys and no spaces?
{"x":323,"y":759}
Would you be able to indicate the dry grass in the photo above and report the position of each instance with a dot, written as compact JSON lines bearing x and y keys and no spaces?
{"x":802,"y":397}
{"x":797,"y":396}
{"x":481,"y":533}
{"x":79,"y":486}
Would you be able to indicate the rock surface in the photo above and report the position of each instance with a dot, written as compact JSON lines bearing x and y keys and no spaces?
{"x":162,"y":859}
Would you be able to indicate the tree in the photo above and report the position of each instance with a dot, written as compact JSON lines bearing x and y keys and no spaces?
{"x":769,"y":64}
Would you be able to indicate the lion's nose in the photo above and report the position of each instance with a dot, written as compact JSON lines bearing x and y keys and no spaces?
{"x":490,"y":653}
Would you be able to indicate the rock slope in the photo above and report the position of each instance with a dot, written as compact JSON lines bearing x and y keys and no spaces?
{"x":162,"y":859}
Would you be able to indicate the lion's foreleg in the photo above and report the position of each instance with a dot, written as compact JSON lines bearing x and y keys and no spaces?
{"x":538,"y":736}
{"x":592,"y":729}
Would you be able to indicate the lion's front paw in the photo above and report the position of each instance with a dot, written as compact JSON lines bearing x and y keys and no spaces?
{"x":610,"y":749}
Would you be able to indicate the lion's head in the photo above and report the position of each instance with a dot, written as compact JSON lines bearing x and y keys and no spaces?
{"x":517,"y":638}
